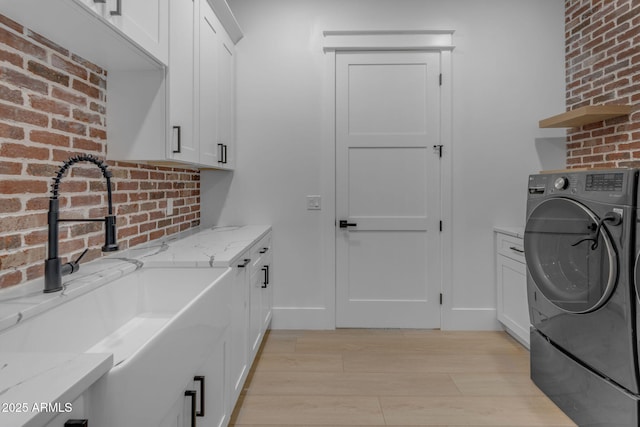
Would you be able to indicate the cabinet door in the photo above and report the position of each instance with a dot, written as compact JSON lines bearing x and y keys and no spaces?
{"x":145,"y":22}
{"x":255,"y":316}
{"x":208,"y":85}
{"x":77,"y":411}
{"x":226,"y":103}
{"x":217,"y":405}
{"x":238,"y":365}
{"x":182,"y":81}
{"x":513,"y":310}
{"x":267,"y":293}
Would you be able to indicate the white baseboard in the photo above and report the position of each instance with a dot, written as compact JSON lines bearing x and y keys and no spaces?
{"x":470,"y":319}
{"x":457,"y":319}
{"x":302,"y":318}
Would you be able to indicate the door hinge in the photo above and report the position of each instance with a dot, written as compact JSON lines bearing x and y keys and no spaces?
{"x":440,"y":79}
{"x":440,"y":225}
{"x":438,"y":149}
{"x":440,"y":299}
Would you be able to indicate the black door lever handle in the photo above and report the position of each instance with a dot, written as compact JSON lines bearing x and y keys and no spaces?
{"x":343,"y":223}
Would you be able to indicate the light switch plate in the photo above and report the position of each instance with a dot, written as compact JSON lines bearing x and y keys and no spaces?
{"x":314,"y":203}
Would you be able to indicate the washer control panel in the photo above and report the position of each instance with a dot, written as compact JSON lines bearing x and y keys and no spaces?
{"x":608,"y":186}
{"x":604,"y":182}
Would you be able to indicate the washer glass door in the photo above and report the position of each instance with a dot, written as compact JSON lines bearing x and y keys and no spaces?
{"x":571,"y":266}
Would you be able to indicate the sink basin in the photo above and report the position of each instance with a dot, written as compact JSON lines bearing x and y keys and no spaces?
{"x":159,"y":324}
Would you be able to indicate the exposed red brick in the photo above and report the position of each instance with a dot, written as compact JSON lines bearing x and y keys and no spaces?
{"x":10,"y":205}
{"x":87,"y":117}
{"x":48,"y":73}
{"x":36,"y":237}
{"x":46,"y":137}
{"x":39,"y":204}
{"x":90,"y":65}
{"x":11,"y":57}
{"x":69,"y":126}
{"x":46,"y":170}
{"x":98,"y":81}
{"x":8,"y":186}
{"x":13,"y":241}
{"x":22,"y":151}
{"x":69,"y":97}
{"x":87,"y":144}
{"x":11,"y":132}
{"x":11,"y":95}
{"x":88,"y":200}
{"x":86,"y":89}
{"x":49,"y":105}
{"x":22,"y":222}
{"x":69,"y":67}
{"x":10,"y":278}
{"x":17,"y":114}
{"x":47,"y":43}
{"x":73,"y":186}
{"x":10,"y":39}
{"x":8,"y":22}
{"x":97,"y":133}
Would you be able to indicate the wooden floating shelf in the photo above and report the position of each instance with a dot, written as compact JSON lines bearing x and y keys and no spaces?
{"x":585,"y":115}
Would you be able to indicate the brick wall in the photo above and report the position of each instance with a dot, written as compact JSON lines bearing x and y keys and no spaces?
{"x":53,"y":105}
{"x":602,"y":40}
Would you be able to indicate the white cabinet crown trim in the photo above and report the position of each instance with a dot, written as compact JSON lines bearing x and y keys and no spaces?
{"x":388,"y":40}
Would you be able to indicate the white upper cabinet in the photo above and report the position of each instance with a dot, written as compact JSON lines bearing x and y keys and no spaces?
{"x":226,"y":103}
{"x":182,"y":145}
{"x":185,"y":115}
{"x":143,"y":21}
{"x":209,"y":85}
{"x":114,"y":34}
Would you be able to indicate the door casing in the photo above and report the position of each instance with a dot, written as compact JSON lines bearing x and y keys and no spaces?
{"x":421,"y":40}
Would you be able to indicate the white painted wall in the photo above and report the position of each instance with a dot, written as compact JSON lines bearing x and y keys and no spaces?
{"x":508,"y":73}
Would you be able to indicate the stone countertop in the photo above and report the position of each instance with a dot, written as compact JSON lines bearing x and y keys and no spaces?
{"x":35,"y":387}
{"x":511,"y":231}
{"x":35,"y":378}
{"x":211,"y":247}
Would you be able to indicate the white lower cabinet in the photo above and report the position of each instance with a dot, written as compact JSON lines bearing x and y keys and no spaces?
{"x":511,"y":283}
{"x":73,"y":414}
{"x":238,"y":365}
{"x":204,"y":400}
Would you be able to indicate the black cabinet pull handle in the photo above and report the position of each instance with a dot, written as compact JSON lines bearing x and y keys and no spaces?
{"x":344,"y":223}
{"x":264,"y":250}
{"x":192,"y":395}
{"x":224,"y":151}
{"x":245,"y":263}
{"x":176,"y":131}
{"x":513,"y":248}
{"x":118,"y":11}
{"x":220,"y":154}
{"x":200,"y":379}
{"x":99,"y":1}
{"x":266,"y":276}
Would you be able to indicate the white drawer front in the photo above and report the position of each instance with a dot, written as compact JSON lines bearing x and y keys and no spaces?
{"x":509,"y":246}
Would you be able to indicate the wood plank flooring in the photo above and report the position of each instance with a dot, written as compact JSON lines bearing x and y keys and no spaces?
{"x":369,"y":377}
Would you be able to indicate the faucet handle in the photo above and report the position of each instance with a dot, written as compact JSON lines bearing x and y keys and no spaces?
{"x":73,"y":266}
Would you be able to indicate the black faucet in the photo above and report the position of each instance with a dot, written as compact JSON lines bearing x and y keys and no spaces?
{"x":53,"y":268}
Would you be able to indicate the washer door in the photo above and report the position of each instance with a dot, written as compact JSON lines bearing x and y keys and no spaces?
{"x":568,"y":269}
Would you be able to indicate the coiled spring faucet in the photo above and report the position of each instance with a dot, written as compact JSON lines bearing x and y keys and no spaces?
{"x":53,"y":268}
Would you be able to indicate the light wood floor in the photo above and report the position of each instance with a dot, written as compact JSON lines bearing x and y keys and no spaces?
{"x":393,"y":377}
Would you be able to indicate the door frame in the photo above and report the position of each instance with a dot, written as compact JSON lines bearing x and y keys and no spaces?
{"x":420,"y":40}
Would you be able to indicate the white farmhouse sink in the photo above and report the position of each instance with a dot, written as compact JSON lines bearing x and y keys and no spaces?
{"x":159,"y":323}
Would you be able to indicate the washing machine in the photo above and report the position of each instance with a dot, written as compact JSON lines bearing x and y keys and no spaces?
{"x":579,"y":247}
